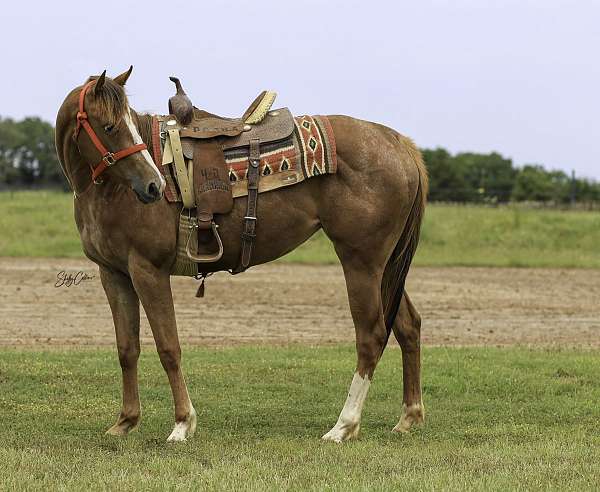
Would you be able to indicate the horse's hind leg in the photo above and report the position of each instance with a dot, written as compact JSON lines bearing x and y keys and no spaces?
{"x":364,"y":294}
{"x":407,"y":330}
{"x":125,"y":307}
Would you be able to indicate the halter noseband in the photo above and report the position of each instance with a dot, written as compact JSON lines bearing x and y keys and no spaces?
{"x":108,"y":158}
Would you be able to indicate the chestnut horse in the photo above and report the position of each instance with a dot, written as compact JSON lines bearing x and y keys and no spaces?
{"x":371,"y":209}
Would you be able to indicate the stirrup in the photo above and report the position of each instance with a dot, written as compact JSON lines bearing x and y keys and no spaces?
{"x":210,"y":258}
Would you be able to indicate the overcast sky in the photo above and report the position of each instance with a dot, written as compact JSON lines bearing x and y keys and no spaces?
{"x":518,"y":77}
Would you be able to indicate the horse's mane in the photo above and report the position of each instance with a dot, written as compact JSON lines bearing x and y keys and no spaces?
{"x":144,"y":126}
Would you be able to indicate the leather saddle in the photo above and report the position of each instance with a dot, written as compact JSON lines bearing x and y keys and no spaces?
{"x":196,"y":144}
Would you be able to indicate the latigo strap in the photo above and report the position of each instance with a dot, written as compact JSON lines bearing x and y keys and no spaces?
{"x":249,"y":233}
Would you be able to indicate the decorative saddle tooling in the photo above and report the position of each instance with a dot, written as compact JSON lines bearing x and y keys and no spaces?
{"x":208,"y":160}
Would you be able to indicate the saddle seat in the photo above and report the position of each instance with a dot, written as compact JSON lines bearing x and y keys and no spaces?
{"x":197,"y":140}
{"x":198,"y":123}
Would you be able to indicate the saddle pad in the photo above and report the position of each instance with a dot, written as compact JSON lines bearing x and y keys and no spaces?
{"x":310,"y":151}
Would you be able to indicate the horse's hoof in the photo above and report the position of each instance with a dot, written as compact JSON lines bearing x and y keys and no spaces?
{"x":120,"y":430}
{"x":413,"y":415}
{"x":341,"y":433}
{"x":185,"y":429}
{"x":123,"y":426}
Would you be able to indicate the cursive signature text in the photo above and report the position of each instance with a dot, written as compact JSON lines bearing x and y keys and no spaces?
{"x":68,"y":279}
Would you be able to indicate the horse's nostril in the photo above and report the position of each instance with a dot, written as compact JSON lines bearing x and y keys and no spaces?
{"x":153,"y":190}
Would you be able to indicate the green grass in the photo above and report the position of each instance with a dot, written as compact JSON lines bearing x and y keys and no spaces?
{"x":41,"y":224}
{"x":509,"y":236}
{"x":497,"y":419}
{"x":38,"y":223}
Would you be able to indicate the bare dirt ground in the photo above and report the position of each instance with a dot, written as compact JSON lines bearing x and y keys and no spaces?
{"x":281,"y":304}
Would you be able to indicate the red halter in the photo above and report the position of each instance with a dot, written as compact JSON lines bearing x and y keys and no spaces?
{"x":108,"y":158}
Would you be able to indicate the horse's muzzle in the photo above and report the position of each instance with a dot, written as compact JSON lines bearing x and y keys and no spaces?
{"x":150,"y":194}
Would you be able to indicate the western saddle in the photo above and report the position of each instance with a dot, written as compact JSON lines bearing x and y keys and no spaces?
{"x":195,"y":141}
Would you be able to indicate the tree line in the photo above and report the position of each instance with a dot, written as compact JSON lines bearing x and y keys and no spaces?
{"x":471,"y":177}
{"x":28,"y":159}
{"x":28,"y":155}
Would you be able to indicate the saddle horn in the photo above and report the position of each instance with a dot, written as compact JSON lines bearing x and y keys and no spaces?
{"x":180,"y":104}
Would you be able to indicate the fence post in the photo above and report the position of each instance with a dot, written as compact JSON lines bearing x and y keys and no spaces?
{"x":573,"y":189}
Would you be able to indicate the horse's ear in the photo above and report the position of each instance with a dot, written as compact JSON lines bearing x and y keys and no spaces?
{"x":122,"y":79}
{"x":100,"y":82}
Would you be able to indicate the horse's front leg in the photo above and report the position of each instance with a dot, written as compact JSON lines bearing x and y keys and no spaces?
{"x":125,"y":307}
{"x":153,"y":287}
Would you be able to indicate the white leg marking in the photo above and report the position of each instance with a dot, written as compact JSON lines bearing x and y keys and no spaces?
{"x":185,"y":429}
{"x":137,"y":139}
{"x":348,"y":423}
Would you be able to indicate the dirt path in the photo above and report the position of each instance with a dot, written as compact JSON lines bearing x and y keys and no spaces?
{"x":280,"y":304}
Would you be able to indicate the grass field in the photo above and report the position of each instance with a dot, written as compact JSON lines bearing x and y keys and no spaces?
{"x":41,"y":224}
{"x":497,"y":419}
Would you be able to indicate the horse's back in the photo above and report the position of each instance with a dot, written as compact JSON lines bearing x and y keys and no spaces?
{"x":373,"y":151}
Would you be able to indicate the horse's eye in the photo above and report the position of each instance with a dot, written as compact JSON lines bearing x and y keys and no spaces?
{"x":109,"y":128}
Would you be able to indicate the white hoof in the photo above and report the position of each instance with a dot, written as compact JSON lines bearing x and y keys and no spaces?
{"x":348,"y":423}
{"x":342,"y":432}
{"x":185,"y":429}
{"x":413,"y":415}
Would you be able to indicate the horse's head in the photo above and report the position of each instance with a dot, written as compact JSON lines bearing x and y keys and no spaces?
{"x":96,"y":122}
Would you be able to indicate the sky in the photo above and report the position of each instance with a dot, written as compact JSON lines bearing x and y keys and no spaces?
{"x":518,"y":77}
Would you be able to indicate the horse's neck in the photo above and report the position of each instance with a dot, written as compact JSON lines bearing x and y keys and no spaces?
{"x":78,"y":172}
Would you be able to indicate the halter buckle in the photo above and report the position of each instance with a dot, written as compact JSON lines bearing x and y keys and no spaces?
{"x":109,"y":159}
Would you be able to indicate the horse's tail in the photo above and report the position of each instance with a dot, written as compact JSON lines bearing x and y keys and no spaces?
{"x":396,"y":270}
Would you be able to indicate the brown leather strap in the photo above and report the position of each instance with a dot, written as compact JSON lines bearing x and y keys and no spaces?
{"x":249,"y":233}
{"x":156,"y":150}
{"x":111,"y":158}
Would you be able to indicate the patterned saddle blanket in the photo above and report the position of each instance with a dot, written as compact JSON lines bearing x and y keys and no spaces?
{"x":308,"y":150}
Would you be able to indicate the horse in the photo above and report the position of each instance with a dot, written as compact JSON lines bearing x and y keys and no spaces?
{"x":371,"y":209}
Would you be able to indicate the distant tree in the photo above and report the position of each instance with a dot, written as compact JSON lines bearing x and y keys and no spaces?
{"x":534,"y":183}
{"x":469,"y":177}
{"x":446,"y":181}
{"x":587,"y":191}
{"x":27,"y":153}
{"x":40,"y":150}
{"x":9,"y":138}
{"x":561,"y":186}
{"x":490,"y":177}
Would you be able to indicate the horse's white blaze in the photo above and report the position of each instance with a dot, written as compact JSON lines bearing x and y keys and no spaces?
{"x":348,"y":422}
{"x":137,"y":139}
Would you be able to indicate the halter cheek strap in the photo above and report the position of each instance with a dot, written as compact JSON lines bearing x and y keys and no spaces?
{"x":108,"y":158}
